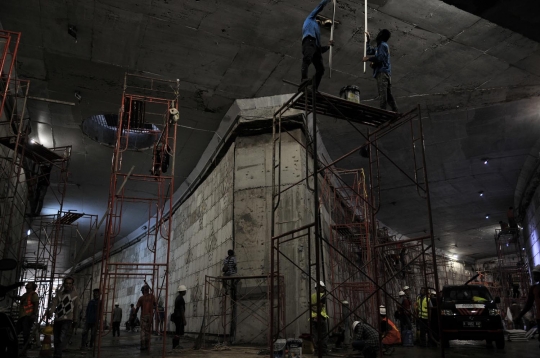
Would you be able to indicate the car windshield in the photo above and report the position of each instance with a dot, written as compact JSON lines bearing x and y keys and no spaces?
{"x":469,"y":294}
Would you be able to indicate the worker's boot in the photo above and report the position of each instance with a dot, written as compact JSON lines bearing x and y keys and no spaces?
{"x":175,"y":342}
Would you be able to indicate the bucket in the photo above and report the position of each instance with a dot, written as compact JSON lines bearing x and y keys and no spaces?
{"x":407,"y":338}
{"x":350,"y":93}
{"x":294,"y":346}
{"x":279,"y":348}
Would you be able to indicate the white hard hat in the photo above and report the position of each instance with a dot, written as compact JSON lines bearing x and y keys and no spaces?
{"x":320,"y":284}
{"x":382,"y":310}
{"x":401,"y":293}
{"x":182,"y":288}
{"x":433,"y":292}
{"x":405,"y":288}
{"x":536,"y":269}
{"x":116,"y":303}
{"x":354,"y":324}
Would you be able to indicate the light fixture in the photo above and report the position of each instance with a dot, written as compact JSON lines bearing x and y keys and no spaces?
{"x":28,"y":232}
{"x":523,"y":249}
{"x":32,"y":141}
{"x":455,"y":257}
{"x":481,"y":193}
{"x":485,"y":160}
{"x":487,"y":216}
{"x":144,"y":227}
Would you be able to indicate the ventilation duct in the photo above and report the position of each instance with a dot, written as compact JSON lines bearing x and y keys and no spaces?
{"x":103,"y":129}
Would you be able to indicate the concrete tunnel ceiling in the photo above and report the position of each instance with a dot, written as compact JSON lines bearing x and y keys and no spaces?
{"x":477,"y":80}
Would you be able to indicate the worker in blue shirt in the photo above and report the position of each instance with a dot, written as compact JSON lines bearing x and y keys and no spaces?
{"x":382,"y":70}
{"x":311,"y":45}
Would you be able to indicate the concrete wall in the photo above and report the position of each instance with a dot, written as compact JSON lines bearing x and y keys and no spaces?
{"x":202,"y":234}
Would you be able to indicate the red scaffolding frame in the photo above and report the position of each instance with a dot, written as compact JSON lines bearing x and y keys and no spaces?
{"x":142,"y":98}
{"x":319,"y":246}
{"x":512,"y":268}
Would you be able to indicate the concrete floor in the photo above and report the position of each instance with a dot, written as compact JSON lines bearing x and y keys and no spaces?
{"x":127,"y":346}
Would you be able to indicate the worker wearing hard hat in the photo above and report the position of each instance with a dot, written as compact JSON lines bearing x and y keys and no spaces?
{"x":365,"y":339}
{"x":179,"y":315}
{"x":319,"y":325}
{"x":116,"y":319}
{"x":389,"y":331}
{"x":534,"y":297}
{"x":405,"y":311}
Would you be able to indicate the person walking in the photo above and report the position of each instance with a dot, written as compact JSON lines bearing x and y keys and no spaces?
{"x":515,"y":309}
{"x":160,"y":318}
{"x":533,"y":298}
{"x":146,"y":303}
{"x":382,"y":69}
{"x":28,"y":311}
{"x":311,"y":45}
{"x":365,"y":339}
{"x":65,"y":306}
{"x":116,"y":319}
{"x":90,"y":324}
{"x":319,"y":325}
{"x":179,"y":315}
{"x":132,"y":318}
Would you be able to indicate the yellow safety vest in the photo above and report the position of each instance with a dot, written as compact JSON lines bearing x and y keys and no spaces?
{"x":314,"y":307}
{"x":422,"y":304}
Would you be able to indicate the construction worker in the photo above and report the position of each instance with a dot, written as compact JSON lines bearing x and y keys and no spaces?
{"x":389,"y":331}
{"x":311,"y":45}
{"x":433,"y":318}
{"x":382,"y":69}
{"x":404,"y":311}
{"x":365,"y":339}
{"x":179,"y":315}
{"x":319,"y":326}
{"x":132,"y":318}
{"x":90,"y":324}
{"x":28,"y":311}
{"x":422,"y":315}
{"x":116,"y":319}
{"x":65,"y":306}
{"x":147,"y":303}
{"x":533,"y":298}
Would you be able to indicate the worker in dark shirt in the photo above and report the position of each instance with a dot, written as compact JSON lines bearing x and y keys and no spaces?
{"x":311,"y":45}
{"x":365,"y":339}
{"x":382,"y":69}
{"x":179,"y":315}
{"x":90,"y":324}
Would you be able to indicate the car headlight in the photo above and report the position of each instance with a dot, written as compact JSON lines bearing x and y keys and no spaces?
{"x":447,"y":313}
{"x":494,"y":312}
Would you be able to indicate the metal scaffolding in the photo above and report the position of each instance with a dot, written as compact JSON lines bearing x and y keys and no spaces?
{"x":349,"y":249}
{"x":143,"y":98}
{"x":235,"y":306}
{"x":512,"y":271}
{"x":13,"y":136}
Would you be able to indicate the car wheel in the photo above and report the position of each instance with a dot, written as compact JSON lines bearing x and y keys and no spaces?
{"x":499,"y":343}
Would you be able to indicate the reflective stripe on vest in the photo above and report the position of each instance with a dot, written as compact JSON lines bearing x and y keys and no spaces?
{"x":29,"y":306}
